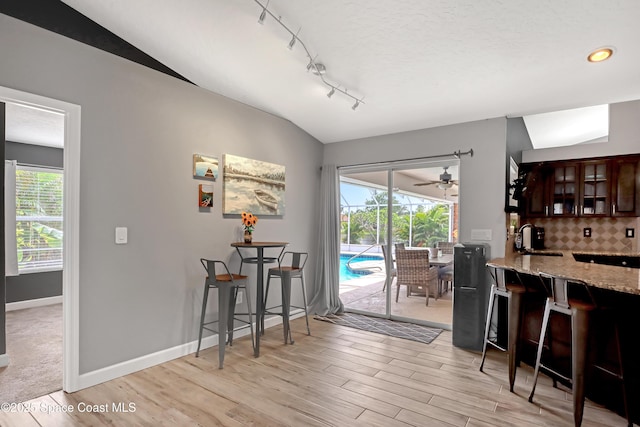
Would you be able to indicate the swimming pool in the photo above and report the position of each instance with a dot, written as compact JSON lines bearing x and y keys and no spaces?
{"x":346,"y":274}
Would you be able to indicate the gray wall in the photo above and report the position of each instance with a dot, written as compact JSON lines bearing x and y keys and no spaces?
{"x":518,"y":139}
{"x":140,"y":129}
{"x":34,"y":285}
{"x":34,"y":154}
{"x":482,"y":177}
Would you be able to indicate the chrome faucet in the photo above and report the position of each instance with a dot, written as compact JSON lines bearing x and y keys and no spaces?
{"x":526,"y":242}
{"x":523,"y":244}
{"x":527,"y":225}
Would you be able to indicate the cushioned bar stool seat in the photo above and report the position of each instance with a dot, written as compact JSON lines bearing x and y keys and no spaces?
{"x":513,"y":292}
{"x":581,"y":313}
{"x":228,"y":285}
{"x":290,"y":266}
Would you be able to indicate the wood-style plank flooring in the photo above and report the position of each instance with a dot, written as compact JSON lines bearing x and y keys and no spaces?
{"x":337,"y":377}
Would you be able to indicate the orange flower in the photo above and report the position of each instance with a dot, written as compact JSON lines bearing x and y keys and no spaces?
{"x":249,"y":221}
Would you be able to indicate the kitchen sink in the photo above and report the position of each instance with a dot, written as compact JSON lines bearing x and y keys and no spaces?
{"x":616,"y":260}
{"x":542,"y":253}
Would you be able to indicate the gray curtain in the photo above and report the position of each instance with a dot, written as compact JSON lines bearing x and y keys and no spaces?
{"x":326,"y":290}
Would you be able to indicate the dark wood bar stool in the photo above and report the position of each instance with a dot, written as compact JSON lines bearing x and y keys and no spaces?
{"x":581,"y":312}
{"x":513,"y":293}
{"x":228,"y":285}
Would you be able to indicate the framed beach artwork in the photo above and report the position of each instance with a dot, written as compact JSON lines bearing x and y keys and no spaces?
{"x":254,"y":186}
{"x":205,"y":166}
{"x":205,"y":195}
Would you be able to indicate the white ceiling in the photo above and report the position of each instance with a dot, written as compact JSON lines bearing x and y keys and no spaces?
{"x":417,"y":63}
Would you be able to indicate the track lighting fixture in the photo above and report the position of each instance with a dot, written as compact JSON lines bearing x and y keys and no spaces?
{"x":317,"y":68}
{"x":263,"y":15}
{"x":292,"y":42}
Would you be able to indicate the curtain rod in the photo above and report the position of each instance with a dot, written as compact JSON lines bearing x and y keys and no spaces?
{"x":456,"y":154}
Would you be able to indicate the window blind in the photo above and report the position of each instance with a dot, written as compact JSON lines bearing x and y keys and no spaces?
{"x":39,"y":231}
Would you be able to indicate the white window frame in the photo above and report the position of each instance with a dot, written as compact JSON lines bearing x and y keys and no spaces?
{"x":43,"y":169}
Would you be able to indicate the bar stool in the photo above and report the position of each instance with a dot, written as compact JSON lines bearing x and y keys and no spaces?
{"x":228,"y":285}
{"x":580,"y":312}
{"x":290,"y":266}
{"x":513,"y":294}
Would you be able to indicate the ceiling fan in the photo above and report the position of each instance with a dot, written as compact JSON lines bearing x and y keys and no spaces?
{"x":444,"y":183}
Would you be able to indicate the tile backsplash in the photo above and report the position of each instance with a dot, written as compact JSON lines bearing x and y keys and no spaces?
{"x":607,"y":234}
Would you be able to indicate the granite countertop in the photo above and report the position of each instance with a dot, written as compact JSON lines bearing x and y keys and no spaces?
{"x":621,"y":279}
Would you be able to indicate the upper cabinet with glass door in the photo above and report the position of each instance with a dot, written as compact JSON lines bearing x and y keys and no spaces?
{"x":586,"y":188}
{"x":595,"y":189}
{"x":565,"y":190}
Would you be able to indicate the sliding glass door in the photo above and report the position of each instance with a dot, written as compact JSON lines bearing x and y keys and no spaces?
{"x":381,"y":208}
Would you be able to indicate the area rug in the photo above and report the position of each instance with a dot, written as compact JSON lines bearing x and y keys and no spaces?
{"x":393,"y":328}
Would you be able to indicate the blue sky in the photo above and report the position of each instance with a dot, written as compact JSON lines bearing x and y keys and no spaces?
{"x":357,"y":195}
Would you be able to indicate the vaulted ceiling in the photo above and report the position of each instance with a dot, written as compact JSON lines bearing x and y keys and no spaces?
{"x":414,"y":63}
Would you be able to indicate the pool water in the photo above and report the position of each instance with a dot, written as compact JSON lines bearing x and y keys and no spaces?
{"x":346,"y":274}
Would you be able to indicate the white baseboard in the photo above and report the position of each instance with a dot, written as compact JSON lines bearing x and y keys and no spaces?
{"x":130,"y":366}
{"x":40,"y":302}
{"x":4,"y":360}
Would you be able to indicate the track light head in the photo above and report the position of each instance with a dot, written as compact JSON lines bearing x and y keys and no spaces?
{"x":292,"y":42}
{"x":330,"y":94}
{"x":263,"y":15}
{"x":355,"y":105}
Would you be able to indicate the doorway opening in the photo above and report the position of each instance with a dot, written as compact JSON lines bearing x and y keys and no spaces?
{"x":410,"y":205}
{"x":70,"y":114}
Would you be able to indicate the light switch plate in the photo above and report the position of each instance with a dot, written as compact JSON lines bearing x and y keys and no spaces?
{"x":630,"y":232}
{"x":481,"y":234}
{"x":121,"y":235}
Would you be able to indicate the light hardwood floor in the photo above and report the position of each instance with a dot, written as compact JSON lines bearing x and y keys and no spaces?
{"x":337,"y":377}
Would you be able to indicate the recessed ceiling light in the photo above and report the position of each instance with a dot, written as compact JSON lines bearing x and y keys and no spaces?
{"x":600,"y":55}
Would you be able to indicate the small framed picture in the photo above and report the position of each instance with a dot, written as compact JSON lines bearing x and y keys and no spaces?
{"x":205,"y":195}
{"x":205,"y":166}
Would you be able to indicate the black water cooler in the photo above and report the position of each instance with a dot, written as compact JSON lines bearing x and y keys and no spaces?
{"x":471,"y":289}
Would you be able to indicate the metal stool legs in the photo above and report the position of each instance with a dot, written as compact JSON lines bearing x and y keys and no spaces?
{"x":580,"y":322}
{"x":513,"y":294}
{"x":580,"y":312}
{"x":514,"y":321}
{"x":228,"y":285}
{"x":285,"y":278}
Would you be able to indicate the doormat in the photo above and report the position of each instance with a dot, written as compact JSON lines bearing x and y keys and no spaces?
{"x":388,"y":327}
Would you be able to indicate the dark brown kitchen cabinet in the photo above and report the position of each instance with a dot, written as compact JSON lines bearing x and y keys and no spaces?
{"x":595,"y":188}
{"x":625,"y":192}
{"x":536,"y":191}
{"x":564,"y":190}
{"x":598,"y":187}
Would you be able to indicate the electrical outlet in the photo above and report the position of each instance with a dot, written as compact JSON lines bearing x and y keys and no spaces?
{"x":630,"y":232}
{"x":239,"y":298}
{"x":586,"y":232}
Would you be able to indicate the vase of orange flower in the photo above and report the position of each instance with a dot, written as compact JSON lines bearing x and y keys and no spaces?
{"x":249,"y":222}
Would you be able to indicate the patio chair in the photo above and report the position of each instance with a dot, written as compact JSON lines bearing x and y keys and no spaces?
{"x":414,"y":272}
{"x":445,"y":274}
{"x":392,"y":273}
